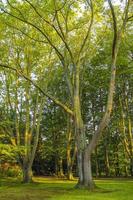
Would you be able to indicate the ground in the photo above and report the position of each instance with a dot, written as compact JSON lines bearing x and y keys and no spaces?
{"x":54,"y":189}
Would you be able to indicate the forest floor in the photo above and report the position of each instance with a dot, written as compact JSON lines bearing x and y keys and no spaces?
{"x":55,"y":189}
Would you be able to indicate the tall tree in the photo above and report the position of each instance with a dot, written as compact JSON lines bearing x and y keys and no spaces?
{"x":63,"y":26}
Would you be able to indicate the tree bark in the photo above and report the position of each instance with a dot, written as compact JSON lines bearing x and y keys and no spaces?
{"x":27,"y":174}
{"x":88,"y":180}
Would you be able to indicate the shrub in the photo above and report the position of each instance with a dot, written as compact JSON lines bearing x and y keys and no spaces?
{"x":10,"y":170}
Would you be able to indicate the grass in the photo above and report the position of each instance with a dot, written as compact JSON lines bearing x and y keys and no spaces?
{"x":54,"y":189}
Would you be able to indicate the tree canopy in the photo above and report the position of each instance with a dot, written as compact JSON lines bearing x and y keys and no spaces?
{"x":66,"y":76}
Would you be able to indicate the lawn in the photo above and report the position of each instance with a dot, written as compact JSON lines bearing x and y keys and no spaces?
{"x":54,"y":189}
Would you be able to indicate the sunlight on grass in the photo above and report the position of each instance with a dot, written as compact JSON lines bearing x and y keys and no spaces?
{"x":55,"y":189}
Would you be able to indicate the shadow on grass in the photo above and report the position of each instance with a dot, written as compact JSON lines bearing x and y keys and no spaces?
{"x":50,"y":186}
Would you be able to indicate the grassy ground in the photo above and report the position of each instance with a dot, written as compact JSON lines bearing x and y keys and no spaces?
{"x":53,"y":189}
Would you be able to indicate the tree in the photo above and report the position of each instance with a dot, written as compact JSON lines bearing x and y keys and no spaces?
{"x":24,"y":113}
{"x":62,"y":28}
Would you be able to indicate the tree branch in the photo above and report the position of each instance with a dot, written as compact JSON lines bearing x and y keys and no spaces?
{"x":16,"y":9}
{"x":57,"y":31}
{"x":88,"y":31}
{"x":38,"y":29}
{"x":130,"y":18}
{"x":36,"y":40}
{"x":56,"y":101}
{"x":115,"y":48}
{"x":114,"y":27}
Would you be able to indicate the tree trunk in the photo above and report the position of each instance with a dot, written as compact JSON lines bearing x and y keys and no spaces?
{"x":85,"y":163}
{"x":80,"y":168}
{"x":88,"y":180}
{"x":70,"y":173}
{"x":69,"y":148}
{"x":27,"y":175}
{"x":96,"y":163}
{"x":83,"y":154}
{"x":80,"y":134}
{"x":126,"y":171}
{"x":30,"y":155}
{"x":69,"y":165}
{"x":79,"y":127}
{"x":60,"y":172}
{"x":107,"y":162}
{"x":56,"y":165}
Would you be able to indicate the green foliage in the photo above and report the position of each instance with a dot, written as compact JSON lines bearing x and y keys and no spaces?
{"x":10,"y":153}
{"x":27,"y":49}
{"x":10,"y":170}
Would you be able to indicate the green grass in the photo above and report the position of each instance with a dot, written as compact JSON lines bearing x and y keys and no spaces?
{"x":54,"y":189}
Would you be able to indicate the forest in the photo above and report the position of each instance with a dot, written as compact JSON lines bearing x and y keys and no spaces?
{"x":66,"y":103}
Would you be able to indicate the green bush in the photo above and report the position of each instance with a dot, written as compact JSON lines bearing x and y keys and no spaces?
{"x":10,"y":171}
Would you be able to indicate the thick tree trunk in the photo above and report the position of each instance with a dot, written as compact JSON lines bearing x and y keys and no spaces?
{"x":88,"y":180}
{"x":27,"y":174}
{"x":70,"y":173}
{"x":79,"y":127}
{"x":80,"y":152}
{"x":85,"y":178}
{"x":80,"y":168}
{"x":83,"y":154}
